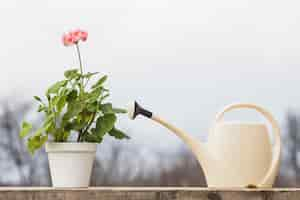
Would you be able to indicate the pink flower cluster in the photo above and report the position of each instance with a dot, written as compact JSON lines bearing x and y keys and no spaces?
{"x":73,"y":37}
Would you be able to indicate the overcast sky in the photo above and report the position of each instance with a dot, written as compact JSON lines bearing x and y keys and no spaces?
{"x":183,"y":59}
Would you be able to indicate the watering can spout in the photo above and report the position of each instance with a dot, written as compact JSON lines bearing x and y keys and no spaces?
{"x":199,"y":149}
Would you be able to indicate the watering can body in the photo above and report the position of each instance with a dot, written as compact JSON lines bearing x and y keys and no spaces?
{"x":237,"y":154}
{"x":243,"y":154}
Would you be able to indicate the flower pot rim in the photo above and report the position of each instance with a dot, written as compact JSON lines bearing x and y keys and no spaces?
{"x":70,"y":147}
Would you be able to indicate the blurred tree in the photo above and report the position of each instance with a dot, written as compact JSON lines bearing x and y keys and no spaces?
{"x":17,"y":165}
{"x":293,"y":144}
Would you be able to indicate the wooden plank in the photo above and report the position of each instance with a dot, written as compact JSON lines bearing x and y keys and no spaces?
{"x":149,"y":193}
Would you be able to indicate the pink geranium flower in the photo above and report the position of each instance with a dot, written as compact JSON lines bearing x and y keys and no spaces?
{"x":84,"y":36}
{"x":73,"y":37}
{"x":76,"y":35}
{"x":67,"y":39}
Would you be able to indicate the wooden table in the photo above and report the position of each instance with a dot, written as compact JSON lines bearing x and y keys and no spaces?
{"x":148,"y":193}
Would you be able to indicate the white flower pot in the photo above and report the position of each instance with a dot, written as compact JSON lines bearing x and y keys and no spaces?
{"x":71,"y":163}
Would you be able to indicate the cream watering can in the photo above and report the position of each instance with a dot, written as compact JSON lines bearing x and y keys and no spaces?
{"x":237,"y":154}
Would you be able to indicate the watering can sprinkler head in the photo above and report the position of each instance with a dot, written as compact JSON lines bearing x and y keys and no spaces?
{"x":135,"y":109}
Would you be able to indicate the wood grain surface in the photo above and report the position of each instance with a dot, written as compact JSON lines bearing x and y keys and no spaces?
{"x":149,"y":193}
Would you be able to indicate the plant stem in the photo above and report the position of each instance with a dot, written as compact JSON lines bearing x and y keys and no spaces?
{"x":79,"y":58}
{"x":81,"y":84}
{"x":89,"y":124}
{"x":80,"y":64}
{"x":79,"y":136}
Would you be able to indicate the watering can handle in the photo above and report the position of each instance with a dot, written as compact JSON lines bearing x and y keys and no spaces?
{"x":270,"y":176}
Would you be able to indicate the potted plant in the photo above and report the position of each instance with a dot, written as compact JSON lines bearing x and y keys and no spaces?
{"x":73,"y":107}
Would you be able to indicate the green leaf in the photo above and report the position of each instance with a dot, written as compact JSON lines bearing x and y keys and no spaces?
{"x":55,"y":87}
{"x":61,"y":103}
{"x":95,"y":94}
{"x":65,"y":135}
{"x":73,"y":109}
{"x":54,"y":101}
{"x":49,"y":122}
{"x":75,"y":124}
{"x":60,"y":135}
{"x":104,"y":124}
{"x":37,"y":98}
{"x":26,"y":127}
{"x":106,"y":108}
{"x":104,"y":97}
{"x":72,"y":73}
{"x":72,"y":96}
{"x":42,"y":108}
{"x":118,"y":134}
{"x":92,"y":138}
{"x":89,"y":74}
{"x":100,"y":82}
{"x":50,"y":128}
{"x":36,"y":142}
{"x":92,"y":107}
